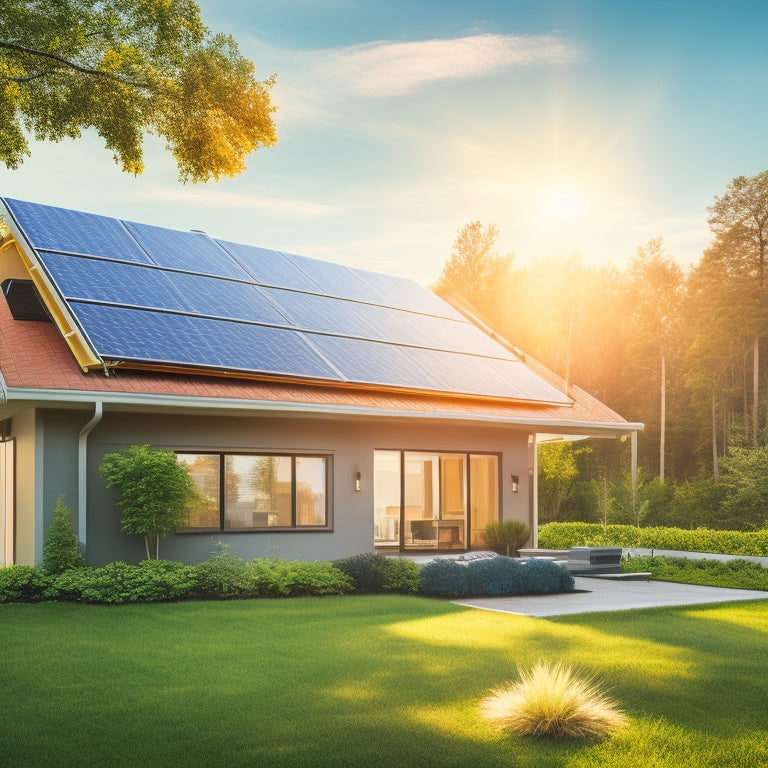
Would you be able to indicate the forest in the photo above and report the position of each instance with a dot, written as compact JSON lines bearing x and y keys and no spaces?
{"x":681,"y":351}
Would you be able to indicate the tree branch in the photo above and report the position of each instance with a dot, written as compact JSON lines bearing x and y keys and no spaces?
{"x":67,"y":63}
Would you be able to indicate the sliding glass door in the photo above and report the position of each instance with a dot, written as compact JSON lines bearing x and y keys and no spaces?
{"x":426,"y":500}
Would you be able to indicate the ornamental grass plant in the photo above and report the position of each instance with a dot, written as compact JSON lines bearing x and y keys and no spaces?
{"x":552,"y":700}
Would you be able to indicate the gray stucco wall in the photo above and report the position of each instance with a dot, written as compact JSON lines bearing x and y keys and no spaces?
{"x":351,"y":443}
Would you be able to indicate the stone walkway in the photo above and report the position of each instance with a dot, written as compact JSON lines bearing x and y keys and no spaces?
{"x":605,"y":595}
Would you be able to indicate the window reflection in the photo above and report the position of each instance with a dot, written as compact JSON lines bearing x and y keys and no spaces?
{"x":259,"y":491}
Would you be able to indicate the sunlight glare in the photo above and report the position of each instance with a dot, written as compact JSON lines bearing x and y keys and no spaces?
{"x":562,"y":203}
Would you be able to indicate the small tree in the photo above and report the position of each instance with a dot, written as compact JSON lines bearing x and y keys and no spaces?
{"x":156,"y":492}
{"x":61,"y":550}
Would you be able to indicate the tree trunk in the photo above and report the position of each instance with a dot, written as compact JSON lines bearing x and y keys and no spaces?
{"x":715,"y":462}
{"x":663,"y":418}
{"x":755,"y":387}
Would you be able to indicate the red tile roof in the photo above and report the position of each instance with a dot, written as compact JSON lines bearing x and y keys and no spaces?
{"x":34,"y":356}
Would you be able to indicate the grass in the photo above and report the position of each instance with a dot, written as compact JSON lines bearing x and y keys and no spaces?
{"x":554,"y":701}
{"x":374,"y":681}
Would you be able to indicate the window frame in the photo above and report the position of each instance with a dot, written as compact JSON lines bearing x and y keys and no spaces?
{"x":293,"y":527}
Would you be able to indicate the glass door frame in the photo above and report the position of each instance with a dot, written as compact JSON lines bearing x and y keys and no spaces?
{"x":465,"y":540}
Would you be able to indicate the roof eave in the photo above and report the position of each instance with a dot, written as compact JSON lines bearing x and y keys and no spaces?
{"x":123,"y":401}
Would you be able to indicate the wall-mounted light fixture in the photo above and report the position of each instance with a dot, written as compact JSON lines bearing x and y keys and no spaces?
{"x":357,"y":481}
{"x":515,"y":483}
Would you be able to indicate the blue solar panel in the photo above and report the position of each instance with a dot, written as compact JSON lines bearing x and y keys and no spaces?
{"x":166,"y":338}
{"x":270,"y":267}
{"x":59,"y":229}
{"x":452,"y":372}
{"x":339,"y":316}
{"x":113,"y":282}
{"x":227,"y":299}
{"x":406,"y":294}
{"x":337,"y":280}
{"x":322,"y":313}
{"x":372,"y":362}
{"x":190,"y":251}
{"x":153,"y":296}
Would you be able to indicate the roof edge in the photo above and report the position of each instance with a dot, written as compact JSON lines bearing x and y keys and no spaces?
{"x":214,"y":404}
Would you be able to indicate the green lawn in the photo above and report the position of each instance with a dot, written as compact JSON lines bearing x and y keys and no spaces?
{"x":366,"y":681}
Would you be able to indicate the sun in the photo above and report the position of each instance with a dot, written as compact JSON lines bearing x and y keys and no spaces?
{"x":562,"y":203}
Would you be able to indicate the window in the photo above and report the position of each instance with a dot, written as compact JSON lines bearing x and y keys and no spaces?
{"x":245,"y":492}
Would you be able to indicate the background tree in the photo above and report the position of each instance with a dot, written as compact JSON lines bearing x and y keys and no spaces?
{"x":655,"y":292}
{"x":740,"y":220}
{"x":128,"y":68}
{"x":156,"y":492}
{"x":477,"y":274}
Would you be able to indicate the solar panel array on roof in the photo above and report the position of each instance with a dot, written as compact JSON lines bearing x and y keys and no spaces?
{"x":145,"y":296}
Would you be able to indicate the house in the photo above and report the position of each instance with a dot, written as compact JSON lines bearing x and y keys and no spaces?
{"x":322,"y":411}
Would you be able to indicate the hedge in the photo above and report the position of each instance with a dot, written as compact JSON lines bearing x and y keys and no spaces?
{"x":733,"y":574}
{"x":566,"y":535}
{"x":163,"y":580}
{"x":226,"y":576}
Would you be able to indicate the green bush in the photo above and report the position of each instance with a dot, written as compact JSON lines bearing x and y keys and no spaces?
{"x":733,"y":574}
{"x":375,"y":573}
{"x":401,"y":575}
{"x":148,"y":582}
{"x":494,"y":576}
{"x":61,"y":550}
{"x":445,"y":578}
{"x":543,"y":577}
{"x":23,"y":583}
{"x":566,"y":535}
{"x":270,"y":577}
{"x":223,"y":575}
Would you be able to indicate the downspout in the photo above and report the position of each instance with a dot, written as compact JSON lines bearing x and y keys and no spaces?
{"x":82,"y":473}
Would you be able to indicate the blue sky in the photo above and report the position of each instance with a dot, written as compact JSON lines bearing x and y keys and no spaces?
{"x":576,"y":126}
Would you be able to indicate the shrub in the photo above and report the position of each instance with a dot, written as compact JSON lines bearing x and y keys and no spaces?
{"x":543,"y":577}
{"x":507,"y":535}
{"x":552,"y":701}
{"x":23,"y":583}
{"x":376,"y":573}
{"x":733,"y":574}
{"x":61,"y":550}
{"x":223,"y":575}
{"x":401,"y":575}
{"x":270,"y":577}
{"x":566,"y":535}
{"x":494,"y":576}
{"x":149,"y":581}
{"x":446,"y":578}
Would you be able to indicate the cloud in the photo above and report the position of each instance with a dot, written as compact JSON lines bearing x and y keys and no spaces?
{"x":382,"y":69}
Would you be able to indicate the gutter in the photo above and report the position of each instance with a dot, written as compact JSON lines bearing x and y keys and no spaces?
{"x":213,"y":404}
{"x":82,"y":473}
